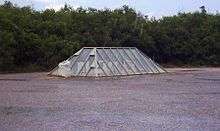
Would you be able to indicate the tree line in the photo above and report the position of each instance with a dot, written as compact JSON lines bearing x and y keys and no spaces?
{"x":33,"y":40}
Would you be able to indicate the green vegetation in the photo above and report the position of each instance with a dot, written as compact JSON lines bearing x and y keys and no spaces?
{"x":37,"y":40}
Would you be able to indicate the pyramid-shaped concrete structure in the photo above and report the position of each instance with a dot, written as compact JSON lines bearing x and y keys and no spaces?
{"x":107,"y":61}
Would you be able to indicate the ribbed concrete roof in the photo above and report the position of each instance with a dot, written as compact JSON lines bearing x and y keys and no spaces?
{"x":107,"y":61}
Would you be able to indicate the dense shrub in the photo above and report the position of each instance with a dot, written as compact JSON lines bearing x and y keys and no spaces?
{"x":41,"y":39}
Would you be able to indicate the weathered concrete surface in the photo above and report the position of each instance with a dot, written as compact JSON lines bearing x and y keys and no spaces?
{"x":180,"y":100}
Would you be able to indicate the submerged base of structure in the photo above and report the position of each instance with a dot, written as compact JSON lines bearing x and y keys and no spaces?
{"x":107,"y":61}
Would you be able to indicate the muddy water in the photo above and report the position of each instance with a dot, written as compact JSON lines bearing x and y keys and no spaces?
{"x":184,"y":99}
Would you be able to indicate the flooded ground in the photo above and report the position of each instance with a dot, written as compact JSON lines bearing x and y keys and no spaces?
{"x":184,"y":99}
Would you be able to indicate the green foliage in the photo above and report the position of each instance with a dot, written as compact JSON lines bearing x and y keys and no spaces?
{"x":32,"y":39}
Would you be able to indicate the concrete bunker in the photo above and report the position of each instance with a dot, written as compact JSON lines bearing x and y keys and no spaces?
{"x":107,"y":61}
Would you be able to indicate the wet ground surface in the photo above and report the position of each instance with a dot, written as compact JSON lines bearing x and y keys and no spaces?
{"x":184,"y":99}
